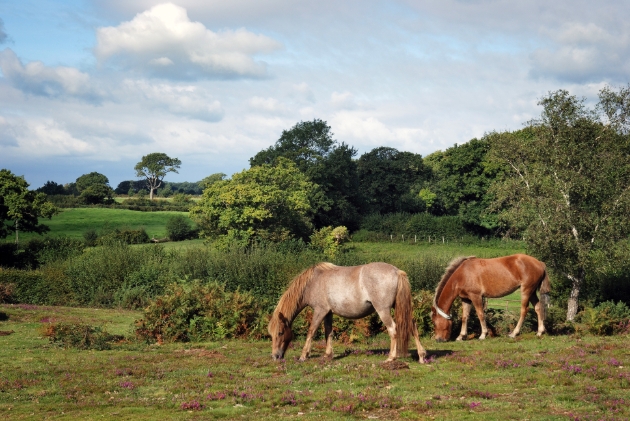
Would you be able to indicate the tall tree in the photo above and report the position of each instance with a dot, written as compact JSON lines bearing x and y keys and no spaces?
{"x":329,"y":164}
{"x":387,"y":178}
{"x":264,"y":202}
{"x":154,"y":167}
{"x":94,"y":188}
{"x":568,"y":191}
{"x":462,"y":176}
{"x":20,"y":208}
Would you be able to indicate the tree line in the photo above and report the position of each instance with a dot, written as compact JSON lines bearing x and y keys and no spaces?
{"x":562,"y":183}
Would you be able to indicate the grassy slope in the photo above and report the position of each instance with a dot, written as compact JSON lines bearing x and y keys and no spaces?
{"x":553,"y":378}
{"x":74,"y":222}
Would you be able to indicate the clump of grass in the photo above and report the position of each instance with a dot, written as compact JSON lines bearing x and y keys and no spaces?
{"x":80,"y":336}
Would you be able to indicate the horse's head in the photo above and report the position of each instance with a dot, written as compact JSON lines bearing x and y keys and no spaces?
{"x":281,"y":335}
{"x":443,"y":326}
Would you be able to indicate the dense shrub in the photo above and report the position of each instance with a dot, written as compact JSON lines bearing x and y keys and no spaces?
{"x":178,"y":228}
{"x":126,"y":236}
{"x":90,"y":238}
{"x":606,"y":319}
{"x":65,"y":201}
{"x":194,"y":311}
{"x":7,"y":292}
{"x":46,"y":286}
{"x":80,"y":336}
{"x":329,"y":240}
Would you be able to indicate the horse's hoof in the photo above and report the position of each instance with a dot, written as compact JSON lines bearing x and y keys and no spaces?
{"x":482,"y":338}
{"x":460,"y":338}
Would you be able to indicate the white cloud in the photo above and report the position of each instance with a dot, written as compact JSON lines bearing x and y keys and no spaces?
{"x":184,"y":100}
{"x":585,"y":53}
{"x":39,"y":79}
{"x":163,"y":41}
{"x":266,"y":105}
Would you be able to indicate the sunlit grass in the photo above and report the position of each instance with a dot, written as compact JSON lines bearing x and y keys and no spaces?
{"x":556,"y":377}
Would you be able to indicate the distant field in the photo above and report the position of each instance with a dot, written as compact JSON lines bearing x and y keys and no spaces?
{"x":74,"y":222}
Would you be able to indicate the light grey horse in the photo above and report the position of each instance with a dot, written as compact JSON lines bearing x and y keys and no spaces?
{"x":352,"y":292}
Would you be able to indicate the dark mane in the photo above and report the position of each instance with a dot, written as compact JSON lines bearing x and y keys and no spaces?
{"x":452,"y":267}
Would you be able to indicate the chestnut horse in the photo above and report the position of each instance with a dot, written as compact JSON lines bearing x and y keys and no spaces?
{"x":471,"y":279}
{"x":352,"y":292}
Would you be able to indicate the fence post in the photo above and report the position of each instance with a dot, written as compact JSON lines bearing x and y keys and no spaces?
{"x":442,"y":239}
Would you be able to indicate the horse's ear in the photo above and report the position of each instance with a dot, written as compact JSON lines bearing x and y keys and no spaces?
{"x":283,"y":319}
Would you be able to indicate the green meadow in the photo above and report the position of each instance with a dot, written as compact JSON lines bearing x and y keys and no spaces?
{"x":577,"y":377}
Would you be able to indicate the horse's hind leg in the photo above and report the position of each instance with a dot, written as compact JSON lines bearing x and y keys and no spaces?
{"x":540,"y":311}
{"x":466,"y":305}
{"x":389,"y":323}
{"x":318,"y":316}
{"x":328,"y":328}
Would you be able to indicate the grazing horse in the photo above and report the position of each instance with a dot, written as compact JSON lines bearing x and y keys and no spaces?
{"x":472,"y":279}
{"x":352,"y":292}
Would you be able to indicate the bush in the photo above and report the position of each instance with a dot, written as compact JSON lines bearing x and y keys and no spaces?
{"x":421,"y":225}
{"x":80,"y":336}
{"x":606,"y":319}
{"x":197,"y":312}
{"x":178,"y":228}
{"x":90,"y":238}
{"x":127,"y":236}
{"x":330,"y":241}
{"x":6,"y":293}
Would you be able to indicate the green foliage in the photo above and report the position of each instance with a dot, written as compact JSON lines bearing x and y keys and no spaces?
{"x":7,"y":292}
{"x":194,"y":311}
{"x":20,"y":208}
{"x":51,"y":188}
{"x":91,"y":179}
{"x":388,"y":179}
{"x":265,"y":202}
{"x":65,"y":201}
{"x":124,"y":236}
{"x":90,"y":236}
{"x":154,"y":167}
{"x":178,"y":228}
{"x":568,"y":191}
{"x":329,"y":240}
{"x":607,"y":318}
{"x":181,"y":199}
{"x":310,"y":145}
{"x":97,"y":193}
{"x":421,"y":225}
{"x":80,"y":336}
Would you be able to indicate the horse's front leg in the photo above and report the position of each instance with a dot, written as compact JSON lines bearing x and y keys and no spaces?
{"x":318,"y":316}
{"x":477,"y":301}
{"x":540,"y":312}
{"x":466,"y":305}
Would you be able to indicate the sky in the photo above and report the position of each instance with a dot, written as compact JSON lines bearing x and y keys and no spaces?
{"x":95,"y":85}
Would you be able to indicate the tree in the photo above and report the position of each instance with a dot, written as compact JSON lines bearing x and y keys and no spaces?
{"x":20,"y":208}
{"x":462,"y":177}
{"x":211,"y":179}
{"x":568,"y":191}
{"x":387,"y":177}
{"x":52,"y":188}
{"x":330,"y":165}
{"x":154,"y":167}
{"x":94,"y":188}
{"x":264,"y":202}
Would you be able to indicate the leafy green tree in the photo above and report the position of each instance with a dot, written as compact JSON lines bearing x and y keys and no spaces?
{"x":330,"y":165}
{"x":178,"y":228}
{"x":264,"y":202}
{"x":462,"y":176}
{"x":154,"y":167}
{"x":94,"y":188}
{"x":387,"y":178}
{"x":568,"y":191}
{"x":52,"y":188}
{"x":211,"y":179}
{"x":20,"y":208}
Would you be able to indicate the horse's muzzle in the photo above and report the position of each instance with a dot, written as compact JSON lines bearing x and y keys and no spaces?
{"x":440,"y":340}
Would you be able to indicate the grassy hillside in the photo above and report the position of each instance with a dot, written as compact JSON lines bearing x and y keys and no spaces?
{"x":74,"y":222}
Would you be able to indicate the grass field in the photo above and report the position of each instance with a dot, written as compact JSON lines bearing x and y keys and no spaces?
{"x":74,"y":222}
{"x":562,"y":377}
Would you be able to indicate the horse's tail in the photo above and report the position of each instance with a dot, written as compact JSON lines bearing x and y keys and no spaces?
{"x":545,"y":287}
{"x":403,"y":315}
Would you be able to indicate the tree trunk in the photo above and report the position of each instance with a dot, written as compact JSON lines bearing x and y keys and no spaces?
{"x":150,"y":193}
{"x":572,"y":308}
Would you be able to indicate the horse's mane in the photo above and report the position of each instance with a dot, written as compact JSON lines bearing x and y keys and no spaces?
{"x":452,"y":267}
{"x":291,"y":301}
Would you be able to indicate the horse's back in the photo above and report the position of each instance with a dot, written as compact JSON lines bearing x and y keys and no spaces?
{"x":501,"y":276}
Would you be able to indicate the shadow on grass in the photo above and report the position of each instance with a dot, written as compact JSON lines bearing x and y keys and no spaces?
{"x":3,"y":317}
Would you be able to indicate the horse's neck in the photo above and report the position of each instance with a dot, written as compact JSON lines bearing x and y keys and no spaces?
{"x":447,"y":295}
